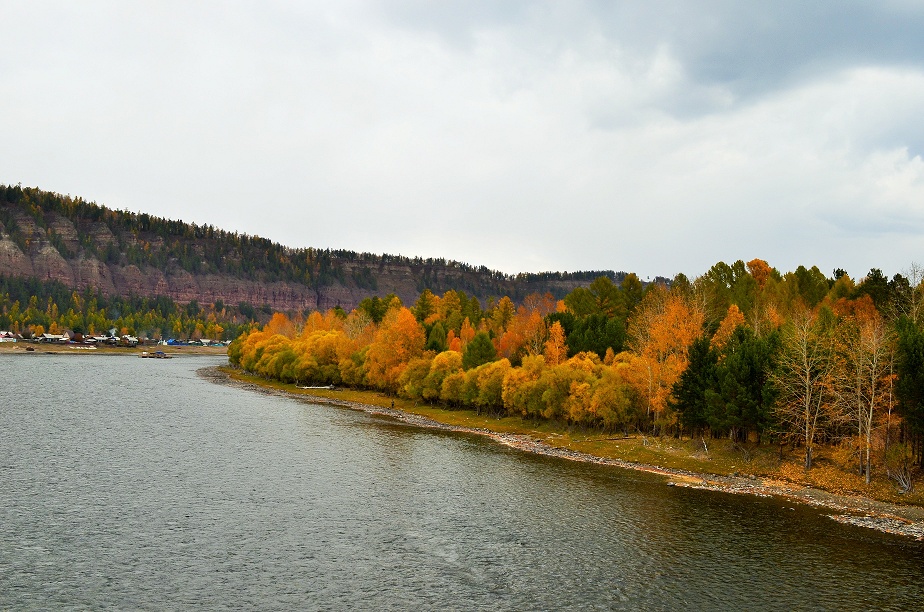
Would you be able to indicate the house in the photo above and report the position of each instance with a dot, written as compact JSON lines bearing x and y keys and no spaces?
{"x":53,"y":338}
{"x":6,"y":336}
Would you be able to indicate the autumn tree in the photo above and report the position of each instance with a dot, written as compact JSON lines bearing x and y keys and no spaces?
{"x":760,"y":271}
{"x":443,"y":365}
{"x":502,"y":315}
{"x":555,"y":350}
{"x":660,"y":333}
{"x":727,"y":327}
{"x":399,"y":340}
{"x":862,"y":378}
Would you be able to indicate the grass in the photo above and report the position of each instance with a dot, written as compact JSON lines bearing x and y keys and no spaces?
{"x":720,"y":457}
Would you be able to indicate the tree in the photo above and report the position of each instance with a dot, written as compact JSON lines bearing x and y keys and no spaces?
{"x":580,"y":302}
{"x":436,"y":341}
{"x":399,"y":340}
{"x":688,"y":393}
{"x":466,"y":333}
{"x":804,"y":377}
{"x":632,"y":292}
{"x":909,"y":295}
{"x":875,"y":285}
{"x":479,"y":351}
{"x":742,"y":398}
{"x":760,"y":271}
{"x":503,"y":314}
{"x":425,"y":306}
{"x":909,"y":365}
{"x":555,"y":350}
{"x":443,"y":365}
{"x":661,"y":331}
{"x":596,"y":333}
{"x":864,"y":344}
{"x":727,"y":327}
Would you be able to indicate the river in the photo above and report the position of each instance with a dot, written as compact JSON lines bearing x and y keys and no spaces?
{"x":130,"y":483}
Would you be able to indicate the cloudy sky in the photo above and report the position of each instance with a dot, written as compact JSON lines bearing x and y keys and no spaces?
{"x":652,"y":136}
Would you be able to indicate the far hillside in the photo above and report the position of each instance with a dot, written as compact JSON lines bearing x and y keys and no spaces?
{"x":51,"y":237}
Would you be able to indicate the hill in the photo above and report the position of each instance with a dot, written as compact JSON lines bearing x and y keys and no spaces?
{"x":52,"y":237}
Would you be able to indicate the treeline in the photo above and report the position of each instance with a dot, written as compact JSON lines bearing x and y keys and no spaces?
{"x":146,"y":240}
{"x":31,"y":308}
{"x":743,"y":352}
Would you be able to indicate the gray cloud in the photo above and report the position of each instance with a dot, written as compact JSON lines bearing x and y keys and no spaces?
{"x":656,"y":137}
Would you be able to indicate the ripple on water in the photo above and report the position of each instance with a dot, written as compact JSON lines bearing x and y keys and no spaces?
{"x":156,"y":489}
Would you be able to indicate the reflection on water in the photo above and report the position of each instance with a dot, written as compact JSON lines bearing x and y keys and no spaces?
{"x":131,"y":483}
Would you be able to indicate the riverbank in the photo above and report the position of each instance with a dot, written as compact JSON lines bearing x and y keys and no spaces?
{"x":671,"y":460}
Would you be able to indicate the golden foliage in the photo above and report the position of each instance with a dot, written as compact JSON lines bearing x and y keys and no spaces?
{"x":727,"y":327}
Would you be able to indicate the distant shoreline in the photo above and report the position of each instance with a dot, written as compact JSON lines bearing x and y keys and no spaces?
{"x":19,"y":348}
{"x":890,"y":518}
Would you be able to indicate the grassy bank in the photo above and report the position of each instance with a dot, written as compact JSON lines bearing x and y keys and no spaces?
{"x":832,"y":473}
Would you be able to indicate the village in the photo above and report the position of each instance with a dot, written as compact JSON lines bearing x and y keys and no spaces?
{"x":112,"y":339}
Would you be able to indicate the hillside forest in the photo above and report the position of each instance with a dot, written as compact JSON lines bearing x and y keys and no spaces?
{"x":743,"y":353}
{"x":51,"y":236}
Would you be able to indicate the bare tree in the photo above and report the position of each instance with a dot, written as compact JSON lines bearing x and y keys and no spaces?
{"x":910,"y":297}
{"x":862,"y":375}
{"x":804,"y":377}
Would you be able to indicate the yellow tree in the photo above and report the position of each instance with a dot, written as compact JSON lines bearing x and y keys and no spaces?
{"x":466,"y":333}
{"x":503,"y":314}
{"x":660,"y":333}
{"x":450,"y":309}
{"x":727,"y":327}
{"x":555,"y":349}
{"x":398,"y":340}
{"x":279,"y":323}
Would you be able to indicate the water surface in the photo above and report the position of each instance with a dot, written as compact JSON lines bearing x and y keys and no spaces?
{"x":134,"y":484}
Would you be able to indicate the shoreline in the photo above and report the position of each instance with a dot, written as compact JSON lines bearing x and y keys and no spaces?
{"x":906,"y":521}
{"x":19,"y":348}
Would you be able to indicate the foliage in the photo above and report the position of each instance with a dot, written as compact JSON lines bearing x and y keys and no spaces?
{"x":781,"y":363}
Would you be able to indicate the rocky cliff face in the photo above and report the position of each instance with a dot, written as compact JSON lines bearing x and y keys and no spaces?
{"x":45,"y":262}
{"x":124,"y":254}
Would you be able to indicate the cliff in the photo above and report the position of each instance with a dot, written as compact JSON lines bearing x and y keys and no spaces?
{"x":52,"y":237}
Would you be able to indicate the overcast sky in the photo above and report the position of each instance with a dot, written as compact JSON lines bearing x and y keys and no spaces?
{"x":654,"y":136}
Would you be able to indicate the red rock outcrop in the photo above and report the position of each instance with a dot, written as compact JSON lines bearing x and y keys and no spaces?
{"x":13,"y":262}
{"x":48,"y":264}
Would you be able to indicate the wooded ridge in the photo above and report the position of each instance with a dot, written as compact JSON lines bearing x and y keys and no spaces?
{"x":52,"y":237}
